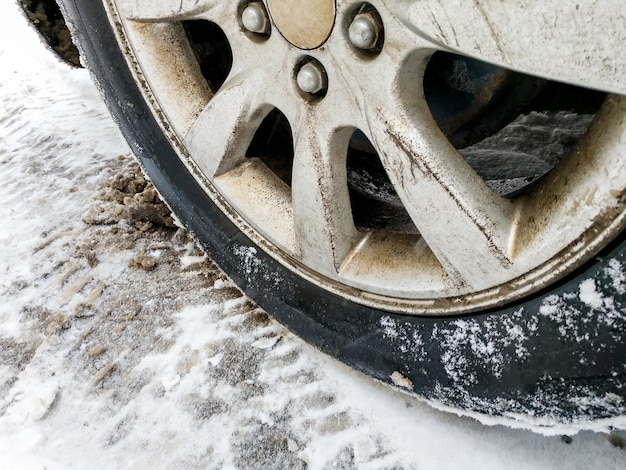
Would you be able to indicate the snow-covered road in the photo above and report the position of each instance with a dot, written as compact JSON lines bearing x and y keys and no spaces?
{"x":122,"y":346}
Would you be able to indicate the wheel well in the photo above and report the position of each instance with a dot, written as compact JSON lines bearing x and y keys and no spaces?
{"x":47,"y":19}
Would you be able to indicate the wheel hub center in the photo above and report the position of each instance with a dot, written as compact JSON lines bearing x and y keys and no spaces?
{"x":304,"y":23}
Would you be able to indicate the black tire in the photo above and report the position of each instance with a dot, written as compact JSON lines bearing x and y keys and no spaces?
{"x":553,"y":356}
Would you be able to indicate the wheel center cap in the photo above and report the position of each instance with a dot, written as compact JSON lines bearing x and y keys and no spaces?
{"x":304,"y":23}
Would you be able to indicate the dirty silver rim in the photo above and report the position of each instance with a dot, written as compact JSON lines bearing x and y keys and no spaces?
{"x":474,"y":249}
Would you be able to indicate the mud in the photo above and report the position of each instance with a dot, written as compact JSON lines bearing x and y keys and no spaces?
{"x":130,"y":201}
{"x":46,"y":17}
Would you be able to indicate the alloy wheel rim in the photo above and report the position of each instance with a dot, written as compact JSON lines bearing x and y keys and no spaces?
{"x":508,"y":248}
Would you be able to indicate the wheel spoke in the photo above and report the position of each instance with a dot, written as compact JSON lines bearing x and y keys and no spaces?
{"x":583,"y":191}
{"x":220,"y":136}
{"x":573,"y":42}
{"x":469,"y":241}
{"x":324,"y":228}
{"x":465,"y":224}
{"x":170,"y":10}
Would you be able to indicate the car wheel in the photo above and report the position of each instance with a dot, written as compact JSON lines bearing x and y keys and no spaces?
{"x":430,"y":192}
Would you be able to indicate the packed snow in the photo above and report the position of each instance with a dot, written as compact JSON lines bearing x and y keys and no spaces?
{"x":123,"y":346}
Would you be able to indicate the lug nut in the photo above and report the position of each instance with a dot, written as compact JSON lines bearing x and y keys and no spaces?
{"x":311,"y":78}
{"x":254,"y":18}
{"x":364,"y":30}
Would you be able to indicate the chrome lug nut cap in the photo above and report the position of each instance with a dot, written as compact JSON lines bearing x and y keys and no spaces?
{"x":311,"y":78}
{"x":364,"y":31}
{"x":254,"y":18}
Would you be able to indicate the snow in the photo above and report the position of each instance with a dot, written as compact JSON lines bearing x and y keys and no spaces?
{"x":616,"y":273}
{"x":106,"y":365}
{"x":589,"y":294}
